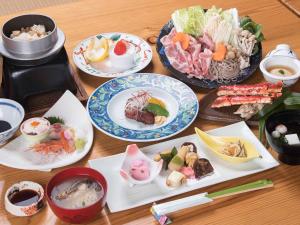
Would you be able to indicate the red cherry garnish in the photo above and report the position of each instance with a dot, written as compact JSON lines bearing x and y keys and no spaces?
{"x":120,"y":48}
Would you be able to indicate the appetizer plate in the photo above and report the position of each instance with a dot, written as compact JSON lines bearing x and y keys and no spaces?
{"x":203,"y":83}
{"x":225,"y":114}
{"x":121,"y":196}
{"x":68,"y":107}
{"x":142,"y":58}
{"x":106,"y":107}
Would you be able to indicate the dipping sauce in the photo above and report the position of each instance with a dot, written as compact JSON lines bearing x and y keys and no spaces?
{"x":24,"y":197}
{"x":4,"y":126}
{"x":76,"y":193}
{"x":282,"y":71}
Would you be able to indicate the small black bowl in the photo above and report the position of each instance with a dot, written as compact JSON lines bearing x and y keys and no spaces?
{"x":289,"y":154}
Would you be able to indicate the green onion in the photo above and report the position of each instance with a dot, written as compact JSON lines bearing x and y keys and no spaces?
{"x":277,"y":103}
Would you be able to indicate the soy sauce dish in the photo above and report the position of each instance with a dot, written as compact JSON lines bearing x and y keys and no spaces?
{"x":283,"y":135}
{"x":77,"y":195}
{"x":25,"y":198}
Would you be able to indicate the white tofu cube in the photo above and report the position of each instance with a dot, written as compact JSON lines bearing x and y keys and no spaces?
{"x":292,"y":139}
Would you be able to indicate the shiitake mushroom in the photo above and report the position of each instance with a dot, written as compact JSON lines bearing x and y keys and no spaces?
{"x":193,"y":149}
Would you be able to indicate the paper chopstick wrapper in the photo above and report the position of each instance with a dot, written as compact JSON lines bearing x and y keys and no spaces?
{"x":183,"y":203}
{"x":159,"y":211}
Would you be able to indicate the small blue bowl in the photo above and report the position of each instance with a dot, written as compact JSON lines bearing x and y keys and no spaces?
{"x":13,"y":113}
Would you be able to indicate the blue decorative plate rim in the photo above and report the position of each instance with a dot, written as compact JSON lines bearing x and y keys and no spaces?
{"x":99,"y":99}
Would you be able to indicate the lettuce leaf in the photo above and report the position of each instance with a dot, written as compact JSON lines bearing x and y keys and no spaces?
{"x":189,"y":20}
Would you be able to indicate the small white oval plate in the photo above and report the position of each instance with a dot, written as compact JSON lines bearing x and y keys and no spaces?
{"x":142,"y":58}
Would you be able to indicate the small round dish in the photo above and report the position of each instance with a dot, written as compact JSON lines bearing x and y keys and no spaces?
{"x":142,"y":56}
{"x":32,"y":47}
{"x":26,"y":210}
{"x":107,"y":104}
{"x":81,"y":215}
{"x":289,"y":154}
{"x":203,"y":83}
{"x":35,"y":129}
{"x":13,"y":113}
{"x":280,"y":60}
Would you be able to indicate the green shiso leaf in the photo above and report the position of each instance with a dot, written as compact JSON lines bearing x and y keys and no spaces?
{"x":157,"y":110}
{"x":55,"y":119}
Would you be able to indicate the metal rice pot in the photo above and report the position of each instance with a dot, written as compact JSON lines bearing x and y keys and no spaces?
{"x":24,"y":48}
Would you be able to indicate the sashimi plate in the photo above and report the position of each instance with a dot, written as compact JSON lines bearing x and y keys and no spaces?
{"x":106,"y":107}
{"x":122,"y":196}
{"x":15,"y":154}
{"x":108,"y":68}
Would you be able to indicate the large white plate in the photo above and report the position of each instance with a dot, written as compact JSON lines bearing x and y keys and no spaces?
{"x":143,"y":55}
{"x":72,"y":111}
{"x":121,"y":196}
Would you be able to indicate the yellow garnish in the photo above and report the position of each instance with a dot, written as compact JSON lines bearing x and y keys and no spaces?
{"x":97,"y":50}
{"x":157,"y":101}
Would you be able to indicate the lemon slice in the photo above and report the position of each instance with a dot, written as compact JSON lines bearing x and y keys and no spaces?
{"x":97,"y":50}
{"x":157,"y":101}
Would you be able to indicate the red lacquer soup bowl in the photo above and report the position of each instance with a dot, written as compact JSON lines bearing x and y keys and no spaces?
{"x":80,"y":215}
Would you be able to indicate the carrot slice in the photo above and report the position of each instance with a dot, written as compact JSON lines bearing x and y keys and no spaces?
{"x":183,"y":38}
{"x":220,"y":52}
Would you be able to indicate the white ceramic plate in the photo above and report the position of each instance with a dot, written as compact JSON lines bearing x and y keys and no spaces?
{"x":121,"y":196}
{"x":68,"y":107}
{"x":142,"y":56}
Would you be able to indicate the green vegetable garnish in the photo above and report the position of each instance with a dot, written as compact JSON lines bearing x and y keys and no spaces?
{"x":79,"y":143}
{"x":248,"y":24}
{"x":281,"y":72}
{"x":55,"y":119}
{"x":157,"y":110}
{"x":168,"y":155}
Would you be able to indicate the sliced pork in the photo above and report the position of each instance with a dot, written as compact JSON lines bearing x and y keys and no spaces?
{"x":195,"y":60}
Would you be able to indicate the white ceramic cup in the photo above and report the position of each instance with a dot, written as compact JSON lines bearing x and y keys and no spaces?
{"x":280,"y":60}
{"x":24,"y":210}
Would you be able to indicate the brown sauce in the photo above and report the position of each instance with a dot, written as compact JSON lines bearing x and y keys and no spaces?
{"x":24,"y":197}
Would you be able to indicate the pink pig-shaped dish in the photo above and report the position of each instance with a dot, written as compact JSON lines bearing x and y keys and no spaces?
{"x":137,"y":168}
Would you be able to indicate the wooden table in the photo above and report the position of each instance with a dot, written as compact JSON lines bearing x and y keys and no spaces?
{"x":81,"y":19}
